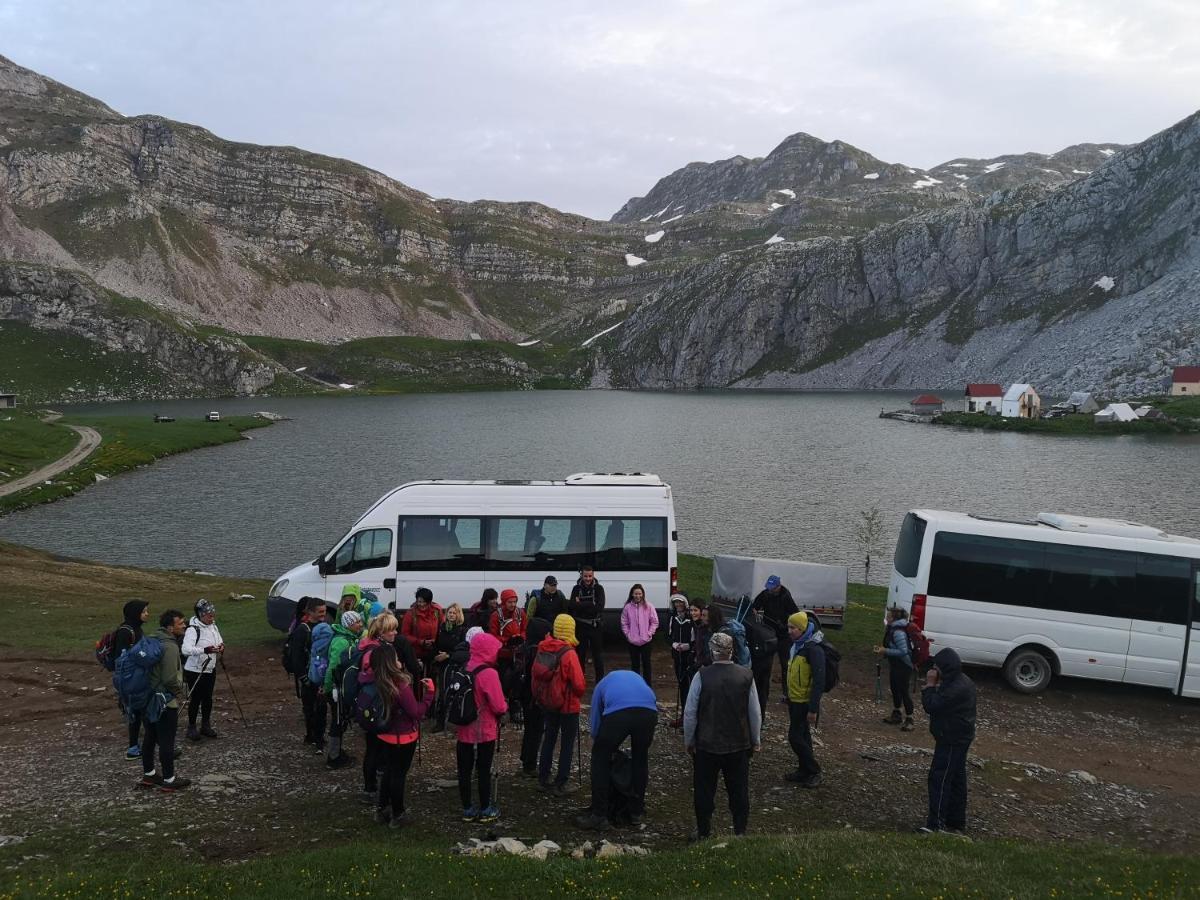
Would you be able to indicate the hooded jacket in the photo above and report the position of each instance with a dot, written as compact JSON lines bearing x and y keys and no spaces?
{"x":806,"y":669}
{"x":639,"y":621}
{"x":129,"y":632}
{"x":569,"y":669}
{"x":420,"y":626}
{"x":341,"y":645}
{"x":404,"y":723}
{"x":167,"y":675}
{"x":508,"y":625}
{"x":775,"y":609}
{"x":536,"y":632}
{"x":195,"y":639}
{"x":681,"y":630}
{"x":951,"y":703}
{"x":489,"y":697}
{"x":895,"y":645}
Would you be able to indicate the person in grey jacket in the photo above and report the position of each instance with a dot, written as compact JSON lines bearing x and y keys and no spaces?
{"x":896,"y":650}
{"x":166,"y":677}
{"x":722,"y":725}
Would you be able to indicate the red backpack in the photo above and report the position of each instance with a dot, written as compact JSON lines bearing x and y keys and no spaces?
{"x":918,"y":645}
{"x":548,"y":681}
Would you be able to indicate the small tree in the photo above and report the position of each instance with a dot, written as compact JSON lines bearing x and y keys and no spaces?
{"x":868,"y":533}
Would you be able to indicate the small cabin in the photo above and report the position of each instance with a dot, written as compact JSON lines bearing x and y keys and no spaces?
{"x":1185,"y":381}
{"x":8,"y":401}
{"x":1021,"y":401}
{"x":1078,"y":402}
{"x":980,"y":396}
{"x":926,"y":405}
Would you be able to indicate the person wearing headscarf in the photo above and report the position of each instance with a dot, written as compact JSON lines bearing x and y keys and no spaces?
{"x":202,"y":649}
{"x":134,"y":615}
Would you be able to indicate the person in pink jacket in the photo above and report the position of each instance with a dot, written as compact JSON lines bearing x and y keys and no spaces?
{"x":639,"y":621}
{"x":477,"y":741}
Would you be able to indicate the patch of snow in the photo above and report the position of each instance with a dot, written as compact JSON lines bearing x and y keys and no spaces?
{"x":787,"y":192}
{"x":672,"y":219}
{"x":1105,"y":283}
{"x":681,"y":206}
{"x":473,"y":336}
{"x":645,"y":218}
{"x":871,"y":176}
{"x":655,"y":238}
{"x":962,"y":177}
{"x":1080,"y":172}
{"x":959,"y":165}
{"x":600,"y":334}
{"x":927,"y":181}
{"x":346,"y":387}
{"x":1050,"y":171}
{"x":1108,"y":152}
{"x":992,"y":167}
{"x":529,"y":343}
{"x":302,"y":369}
{"x":661,"y":211}
{"x":775,"y":206}
{"x":631,"y":260}
{"x":774,"y":239}
{"x":912,"y":171}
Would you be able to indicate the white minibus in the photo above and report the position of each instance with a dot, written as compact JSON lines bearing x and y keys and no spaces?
{"x":458,"y":537}
{"x":1060,"y":595}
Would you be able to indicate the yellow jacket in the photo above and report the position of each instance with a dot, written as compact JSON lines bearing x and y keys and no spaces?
{"x":799,"y":679}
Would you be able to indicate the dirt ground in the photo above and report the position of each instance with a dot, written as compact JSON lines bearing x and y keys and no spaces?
{"x":1083,"y":762}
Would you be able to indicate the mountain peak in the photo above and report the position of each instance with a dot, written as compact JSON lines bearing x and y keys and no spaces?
{"x":25,"y":91}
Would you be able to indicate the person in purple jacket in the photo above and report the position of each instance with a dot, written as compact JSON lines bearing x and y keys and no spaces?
{"x":639,"y":621}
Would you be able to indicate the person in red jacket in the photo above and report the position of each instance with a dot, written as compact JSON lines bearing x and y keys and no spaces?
{"x":565,"y":719}
{"x":508,"y":624}
{"x":398,"y":739}
{"x":420,"y":626}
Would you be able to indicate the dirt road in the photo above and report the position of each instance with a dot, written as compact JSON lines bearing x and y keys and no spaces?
{"x":89,"y":441}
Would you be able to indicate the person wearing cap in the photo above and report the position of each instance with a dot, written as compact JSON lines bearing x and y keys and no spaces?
{"x":565,"y":720}
{"x":721,"y":729}
{"x":508,"y":624}
{"x":773,"y":605}
{"x":548,"y":602}
{"x":586,"y":607}
{"x":805,"y":684}
{"x":346,"y":635}
{"x":202,"y":649}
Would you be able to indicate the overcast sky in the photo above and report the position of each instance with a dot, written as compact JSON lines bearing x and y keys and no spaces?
{"x":584,"y":104}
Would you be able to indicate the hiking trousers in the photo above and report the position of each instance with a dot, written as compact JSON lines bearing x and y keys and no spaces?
{"x":683,"y":674}
{"x":555,"y":723}
{"x":314,"y":713}
{"x":162,"y":735}
{"x":371,"y":759}
{"x":734,"y":768}
{"x":135,"y":728}
{"x":899,"y":679}
{"x":637,"y":724}
{"x":475,"y":758}
{"x":200,"y":695}
{"x":948,"y":787}
{"x":639,"y":660}
{"x":591,"y":642}
{"x":762,"y":681}
{"x":800,"y":737}
{"x":531,"y":737}
{"x":397,"y":760}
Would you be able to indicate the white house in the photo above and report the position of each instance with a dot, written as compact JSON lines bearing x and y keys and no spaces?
{"x":981,"y":396}
{"x":1021,"y":401}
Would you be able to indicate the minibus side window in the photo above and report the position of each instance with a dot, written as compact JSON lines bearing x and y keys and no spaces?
{"x":1163,"y":588}
{"x":440,"y":543}
{"x":370,"y":549}
{"x":625,"y":545}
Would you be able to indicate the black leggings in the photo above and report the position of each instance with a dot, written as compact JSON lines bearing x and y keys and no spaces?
{"x":639,"y":660}
{"x":135,"y":726}
{"x":478,"y":757}
{"x":200,"y":693}
{"x":397,"y":759}
{"x":899,"y":678}
{"x":161,"y":734}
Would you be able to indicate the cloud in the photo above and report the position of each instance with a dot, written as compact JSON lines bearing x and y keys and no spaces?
{"x":581,"y":104}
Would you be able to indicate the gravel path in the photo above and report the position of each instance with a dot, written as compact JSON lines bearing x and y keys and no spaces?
{"x":89,"y":441}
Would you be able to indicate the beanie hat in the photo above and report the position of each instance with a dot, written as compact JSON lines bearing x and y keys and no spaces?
{"x":564,"y":629}
{"x":550,"y":579}
{"x":799,"y":620}
{"x":204,"y":607}
{"x":678,"y":597}
{"x":508,"y":594}
{"x":721,"y":645}
{"x":350,"y":618}
{"x":471,"y":632}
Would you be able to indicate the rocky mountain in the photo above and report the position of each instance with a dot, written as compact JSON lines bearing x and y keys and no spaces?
{"x":1095,"y":284}
{"x":983,"y":176}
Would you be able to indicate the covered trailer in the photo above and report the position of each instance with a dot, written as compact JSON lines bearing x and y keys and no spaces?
{"x":816,"y":588}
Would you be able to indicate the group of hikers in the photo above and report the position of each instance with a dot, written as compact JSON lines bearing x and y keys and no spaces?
{"x":389,"y":672}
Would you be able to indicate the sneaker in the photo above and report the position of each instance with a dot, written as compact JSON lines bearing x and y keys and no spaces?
{"x":308,"y":739}
{"x":319,"y":746}
{"x":192,"y":733}
{"x":812,"y":781}
{"x":565,"y":790}
{"x":383,"y":815}
{"x":795,"y":776}
{"x":340,"y":761}
{"x":635,"y":819}
{"x":590,"y":821}
{"x":545,"y":787}
{"x":438,"y":728}
{"x":399,"y":821}
{"x":893,"y":719}
{"x":470,"y":814}
{"x":134,"y":752}
{"x":175,"y":784}
{"x":208,"y":731}
{"x":152,"y":780}
{"x":367,"y":797}
{"x":908,"y":724}
{"x":925,"y":829}
{"x":491,"y":814}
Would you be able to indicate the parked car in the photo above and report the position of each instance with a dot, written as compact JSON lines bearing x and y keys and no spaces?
{"x":213,"y":417}
{"x":164,"y":418}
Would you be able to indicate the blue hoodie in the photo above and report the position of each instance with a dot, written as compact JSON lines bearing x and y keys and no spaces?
{"x":620,"y":689}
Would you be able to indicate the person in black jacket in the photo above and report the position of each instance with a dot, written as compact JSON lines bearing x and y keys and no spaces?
{"x":949,"y":699}
{"x":773,"y":605}
{"x":451,"y":632}
{"x":531,"y":713}
{"x":128,"y":633}
{"x":299,"y":645}
{"x":586,"y":607}
{"x":547,"y":602}
{"x":680,"y":636}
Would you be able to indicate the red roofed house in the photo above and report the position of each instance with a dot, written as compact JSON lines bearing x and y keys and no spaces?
{"x":980,"y":395}
{"x":1185,"y":382}
{"x":926,"y":405}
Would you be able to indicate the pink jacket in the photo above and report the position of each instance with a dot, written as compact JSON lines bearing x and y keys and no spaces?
{"x":489,"y":697}
{"x":639,"y":621}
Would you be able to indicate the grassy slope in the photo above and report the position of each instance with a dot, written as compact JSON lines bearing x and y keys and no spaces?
{"x":27,"y":443}
{"x":126,"y":443}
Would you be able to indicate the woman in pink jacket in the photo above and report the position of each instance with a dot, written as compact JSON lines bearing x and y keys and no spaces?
{"x":477,"y":741}
{"x":639,"y":621}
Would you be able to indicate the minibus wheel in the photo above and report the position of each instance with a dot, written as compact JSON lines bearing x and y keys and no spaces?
{"x":1028,"y":670}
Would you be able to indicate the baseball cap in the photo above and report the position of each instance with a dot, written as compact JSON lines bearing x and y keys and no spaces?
{"x":772,"y":582}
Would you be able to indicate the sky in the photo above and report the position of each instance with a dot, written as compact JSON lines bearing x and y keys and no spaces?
{"x":582,"y":104}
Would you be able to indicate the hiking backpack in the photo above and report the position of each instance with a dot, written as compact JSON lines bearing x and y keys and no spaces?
{"x":318,"y":659}
{"x":832,"y":661}
{"x":763,"y":641}
{"x":345,"y":679}
{"x":461,"y":705}
{"x":548,"y":681}
{"x":918,"y":645}
{"x":131,"y":674}
{"x":737,"y":631}
{"x":369,"y":711}
{"x":104,"y":647}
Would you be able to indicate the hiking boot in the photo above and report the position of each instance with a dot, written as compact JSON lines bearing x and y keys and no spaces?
{"x":367,"y":797}
{"x":192,"y":733}
{"x":591,"y":821}
{"x":134,"y":752}
{"x":636,"y":819}
{"x":812,"y":781}
{"x":152,"y":780}
{"x":529,"y":771}
{"x":565,"y":790}
{"x":308,"y":739}
{"x":175,"y":784}
{"x":893,"y":719}
{"x":491,"y":814}
{"x":319,"y":746}
{"x":383,"y":815}
{"x":908,"y":724}
{"x":438,"y":728}
{"x":399,"y":820}
{"x":208,"y":731}
{"x":340,"y":761}
{"x":545,"y":787}
{"x":795,"y":776}
{"x":471,"y":814}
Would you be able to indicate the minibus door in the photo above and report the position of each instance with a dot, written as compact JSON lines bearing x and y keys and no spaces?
{"x":1189,"y":679}
{"x":363,"y":558}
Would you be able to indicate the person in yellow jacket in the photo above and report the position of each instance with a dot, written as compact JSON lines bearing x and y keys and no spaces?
{"x":805,"y":684}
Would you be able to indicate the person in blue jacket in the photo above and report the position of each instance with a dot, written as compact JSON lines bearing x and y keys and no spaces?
{"x":623,"y":706}
{"x":896,"y":650}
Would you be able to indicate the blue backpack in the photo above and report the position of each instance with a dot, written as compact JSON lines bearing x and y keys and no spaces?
{"x":131,"y":674}
{"x":369,"y":712}
{"x":318,"y":660}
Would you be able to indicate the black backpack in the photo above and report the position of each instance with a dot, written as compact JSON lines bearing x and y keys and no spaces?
{"x":300,"y":632}
{"x":832,"y":661}
{"x":461,"y":706}
{"x":762,"y":640}
{"x":345,"y":677}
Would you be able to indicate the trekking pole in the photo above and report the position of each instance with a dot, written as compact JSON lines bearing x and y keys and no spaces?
{"x":232,"y":692}
{"x":579,"y":757}
{"x":878,"y":683}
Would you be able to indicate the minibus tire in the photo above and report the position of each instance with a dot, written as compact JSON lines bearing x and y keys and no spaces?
{"x":1028,"y":670}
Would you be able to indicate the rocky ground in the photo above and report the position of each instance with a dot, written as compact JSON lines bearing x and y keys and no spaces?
{"x":1084,"y":762}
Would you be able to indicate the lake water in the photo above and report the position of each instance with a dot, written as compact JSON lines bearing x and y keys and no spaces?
{"x":765,"y":474}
